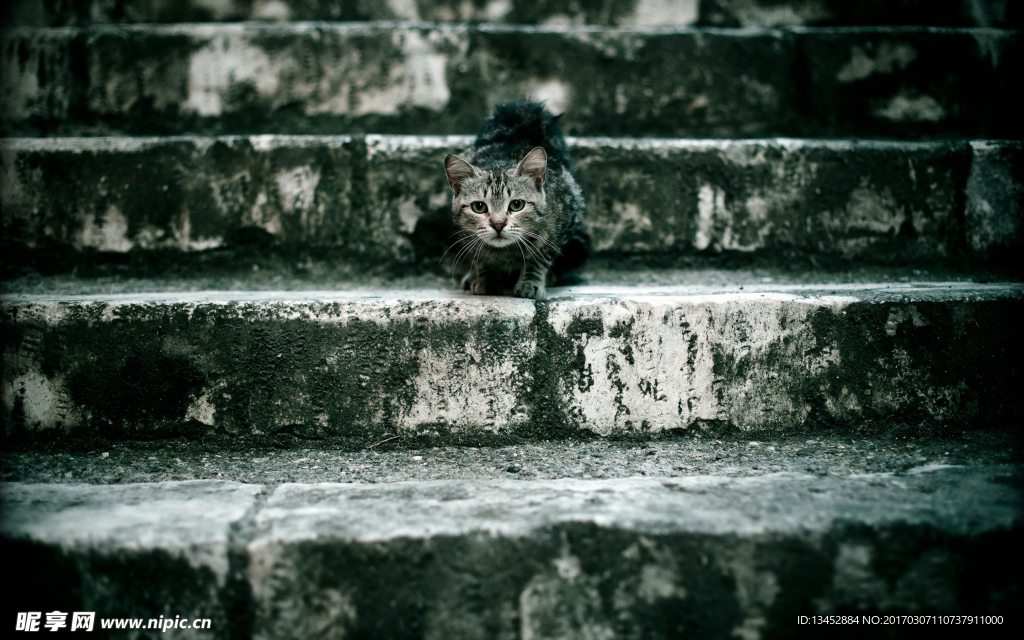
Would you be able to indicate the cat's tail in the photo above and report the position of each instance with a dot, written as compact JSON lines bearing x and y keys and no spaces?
{"x":520,"y":126}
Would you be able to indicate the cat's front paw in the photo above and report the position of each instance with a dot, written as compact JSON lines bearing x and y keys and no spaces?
{"x":477,"y":286}
{"x":529,"y":289}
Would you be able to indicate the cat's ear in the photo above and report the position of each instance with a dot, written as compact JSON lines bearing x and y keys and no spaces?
{"x":533,"y":166}
{"x":458,"y":171}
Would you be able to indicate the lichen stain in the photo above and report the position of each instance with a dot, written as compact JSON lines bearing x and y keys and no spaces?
{"x":36,"y":402}
{"x":909,"y":106}
{"x":994,"y":200}
{"x":223,"y":63}
{"x":20,"y":91}
{"x":472,"y":394}
{"x":900,"y":314}
{"x":417,"y":76}
{"x":111,"y":234}
{"x":427,"y":73}
{"x":887,"y":58}
{"x":717,"y":358}
{"x":710,"y":210}
{"x":756,"y":592}
{"x":555,"y":94}
{"x":623,"y":229}
{"x":202,"y":410}
{"x":552,"y":606}
{"x":297,"y":188}
{"x":409,"y":214}
{"x":663,"y":13}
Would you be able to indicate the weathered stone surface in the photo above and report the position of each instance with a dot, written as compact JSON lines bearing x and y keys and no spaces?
{"x":719,"y":13}
{"x":631,"y":558}
{"x":995,"y":190}
{"x":860,"y":200}
{"x":550,"y":12}
{"x":364,"y":366}
{"x":939,"y":13}
{"x":443,"y":79}
{"x":119,"y":194}
{"x":859,"y":85}
{"x":385,"y":198}
{"x":134,"y":551}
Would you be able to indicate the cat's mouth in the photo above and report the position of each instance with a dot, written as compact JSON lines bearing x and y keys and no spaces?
{"x":500,"y":241}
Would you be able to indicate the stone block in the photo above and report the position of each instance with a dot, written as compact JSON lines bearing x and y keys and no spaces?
{"x":334,"y":78}
{"x":638,"y":557}
{"x":141,"y":551}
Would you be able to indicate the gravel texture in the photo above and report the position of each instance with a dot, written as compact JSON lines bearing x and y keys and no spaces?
{"x":135,"y":462}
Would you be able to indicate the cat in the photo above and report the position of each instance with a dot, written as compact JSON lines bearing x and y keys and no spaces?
{"x":516,"y":204}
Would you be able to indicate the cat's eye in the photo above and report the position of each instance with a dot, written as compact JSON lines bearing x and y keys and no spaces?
{"x":478,"y":207}
{"x":516,"y":205}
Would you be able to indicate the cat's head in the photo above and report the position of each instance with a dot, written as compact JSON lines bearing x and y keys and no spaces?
{"x":499,"y":207}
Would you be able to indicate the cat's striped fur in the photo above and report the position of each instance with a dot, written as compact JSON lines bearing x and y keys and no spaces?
{"x":516,"y":205}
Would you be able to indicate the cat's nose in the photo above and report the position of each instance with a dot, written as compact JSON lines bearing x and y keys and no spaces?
{"x":498,"y":226}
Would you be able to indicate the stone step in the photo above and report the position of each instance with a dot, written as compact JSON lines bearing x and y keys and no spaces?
{"x":721,"y":13}
{"x":577,"y":12}
{"x":635,"y":557}
{"x":362,"y":366}
{"x":940,"y":13}
{"x":385,"y":200}
{"x":443,"y":79}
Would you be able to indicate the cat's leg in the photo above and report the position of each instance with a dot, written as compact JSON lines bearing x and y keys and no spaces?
{"x":532,"y":281}
{"x":476,"y":281}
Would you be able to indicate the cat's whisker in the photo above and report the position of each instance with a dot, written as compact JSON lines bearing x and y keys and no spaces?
{"x":537,"y":252}
{"x":460,"y":231}
{"x":455,"y":244}
{"x":477,"y":255}
{"x":534,"y":251}
{"x":463,"y":251}
{"x":468,"y":249}
{"x":517,"y":241}
{"x":538,"y":236}
{"x":472,"y":262}
{"x":542,"y":239}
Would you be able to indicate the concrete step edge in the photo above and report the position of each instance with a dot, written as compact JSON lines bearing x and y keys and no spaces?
{"x":732,"y":13}
{"x":729,"y":553}
{"x":305,"y":26}
{"x":384,"y":198}
{"x":362,"y":366}
{"x":817,"y":82}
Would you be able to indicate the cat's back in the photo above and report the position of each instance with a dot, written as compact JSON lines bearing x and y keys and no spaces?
{"x":515,"y":128}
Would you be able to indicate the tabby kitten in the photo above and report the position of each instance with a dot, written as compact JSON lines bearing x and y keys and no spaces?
{"x":516,"y":204}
